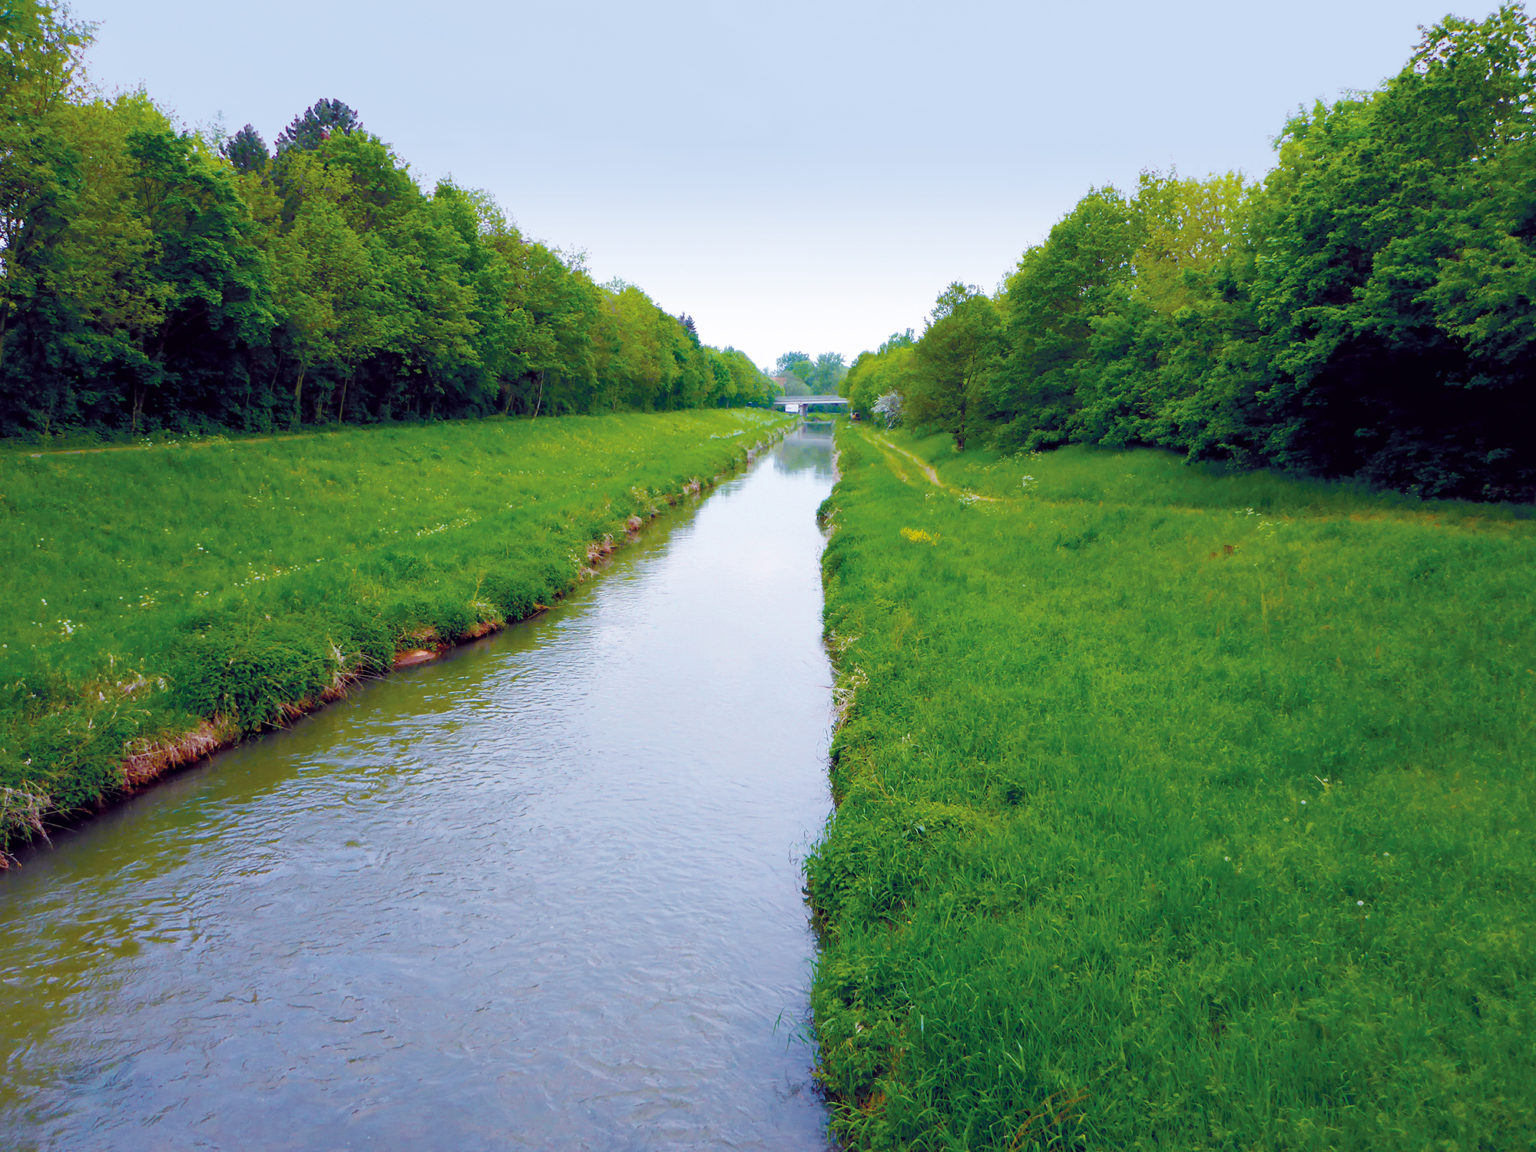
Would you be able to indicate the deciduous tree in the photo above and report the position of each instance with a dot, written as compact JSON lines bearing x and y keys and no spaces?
{"x":956,"y":359}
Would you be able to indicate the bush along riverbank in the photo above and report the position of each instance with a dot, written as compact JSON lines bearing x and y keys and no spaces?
{"x":162,"y":602}
{"x":1175,"y":809}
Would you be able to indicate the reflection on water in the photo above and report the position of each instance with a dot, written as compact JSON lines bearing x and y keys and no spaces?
{"x":809,"y":450}
{"x":544,"y":894}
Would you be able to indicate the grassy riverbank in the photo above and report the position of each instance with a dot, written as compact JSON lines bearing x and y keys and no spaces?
{"x":1175,"y":810}
{"x":217,"y":588}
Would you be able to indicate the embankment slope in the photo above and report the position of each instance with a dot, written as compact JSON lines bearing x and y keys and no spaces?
{"x":160,"y":603}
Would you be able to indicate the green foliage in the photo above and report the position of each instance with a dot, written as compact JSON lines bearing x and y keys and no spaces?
{"x":1374,"y":200}
{"x":39,"y":54}
{"x":827,"y":374}
{"x":881,"y":373}
{"x":736,"y":380}
{"x":1177,"y":808}
{"x":822,"y":376}
{"x":246,"y":151}
{"x":955,"y":360}
{"x":794,"y":363}
{"x":317,"y":124}
{"x":1157,"y":344}
{"x":150,"y":588}
{"x":1367,"y":311}
{"x":149,"y":283}
{"x":1050,"y":303}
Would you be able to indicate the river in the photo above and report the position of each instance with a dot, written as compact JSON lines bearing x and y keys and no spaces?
{"x":542,"y":894}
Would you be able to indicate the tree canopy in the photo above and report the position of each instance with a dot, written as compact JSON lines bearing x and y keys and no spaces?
{"x":317,"y":124}
{"x":820,"y":376}
{"x":152,"y":280}
{"x":1368,"y":310}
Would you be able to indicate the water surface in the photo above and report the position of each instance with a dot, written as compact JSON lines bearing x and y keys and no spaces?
{"x":543,"y":894}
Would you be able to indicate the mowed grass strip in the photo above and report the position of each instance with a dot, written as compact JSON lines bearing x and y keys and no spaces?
{"x":1175,"y":810}
{"x":149,"y":590}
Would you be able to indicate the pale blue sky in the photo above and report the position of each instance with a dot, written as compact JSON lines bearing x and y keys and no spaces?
{"x":794,"y":175}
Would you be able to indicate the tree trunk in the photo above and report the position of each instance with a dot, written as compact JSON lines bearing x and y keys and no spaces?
{"x":298,"y":397}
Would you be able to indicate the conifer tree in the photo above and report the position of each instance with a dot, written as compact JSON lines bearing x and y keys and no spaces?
{"x":320,"y":121}
{"x":246,"y":150}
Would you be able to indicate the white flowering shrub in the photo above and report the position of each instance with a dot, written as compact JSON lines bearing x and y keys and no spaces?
{"x":888,"y":408}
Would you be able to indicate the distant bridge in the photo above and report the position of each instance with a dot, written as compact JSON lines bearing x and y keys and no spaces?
{"x":802,"y":403}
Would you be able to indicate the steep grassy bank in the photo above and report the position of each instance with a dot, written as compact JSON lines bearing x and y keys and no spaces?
{"x":218,"y":588}
{"x":1176,"y":811}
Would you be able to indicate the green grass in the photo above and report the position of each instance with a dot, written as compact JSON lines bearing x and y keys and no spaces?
{"x":151,"y":588}
{"x":1176,"y":811}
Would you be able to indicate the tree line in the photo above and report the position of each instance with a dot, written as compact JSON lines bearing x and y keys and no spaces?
{"x":155,"y":278}
{"x":1368,"y":309}
{"x":801,"y":374}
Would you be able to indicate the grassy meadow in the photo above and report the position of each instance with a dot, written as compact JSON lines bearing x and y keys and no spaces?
{"x":1176,"y":810}
{"x":218,"y":583}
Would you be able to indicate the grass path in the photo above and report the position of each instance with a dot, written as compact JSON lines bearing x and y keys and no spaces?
{"x":895,"y":455}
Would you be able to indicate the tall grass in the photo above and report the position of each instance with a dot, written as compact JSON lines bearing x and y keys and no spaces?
{"x":1176,"y":810}
{"x":149,"y":589}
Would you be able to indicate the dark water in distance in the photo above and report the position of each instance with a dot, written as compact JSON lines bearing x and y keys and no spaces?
{"x":544,"y":894}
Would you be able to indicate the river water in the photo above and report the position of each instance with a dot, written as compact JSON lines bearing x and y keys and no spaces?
{"x":542,"y":894}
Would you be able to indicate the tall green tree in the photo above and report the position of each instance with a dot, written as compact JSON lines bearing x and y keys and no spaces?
{"x":316,"y":124}
{"x":206,"y":250}
{"x":246,"y":150}
{"x":334,"y":295}
{"x":1050,"y":303}
{"x":560,"y":332}
{"x":105,"y":295}
{"x":827,"y":374}
{"x":1157,"y":337}
{"x":40,"y":48}
{"x":956,"y":360}
{"x":1369,"y":212}
{"x":797,"y":365}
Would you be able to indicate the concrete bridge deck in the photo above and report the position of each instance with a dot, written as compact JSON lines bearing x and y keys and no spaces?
{"x":800,"y":403}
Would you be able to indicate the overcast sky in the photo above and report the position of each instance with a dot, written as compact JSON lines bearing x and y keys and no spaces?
{"x":794,"y":175}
